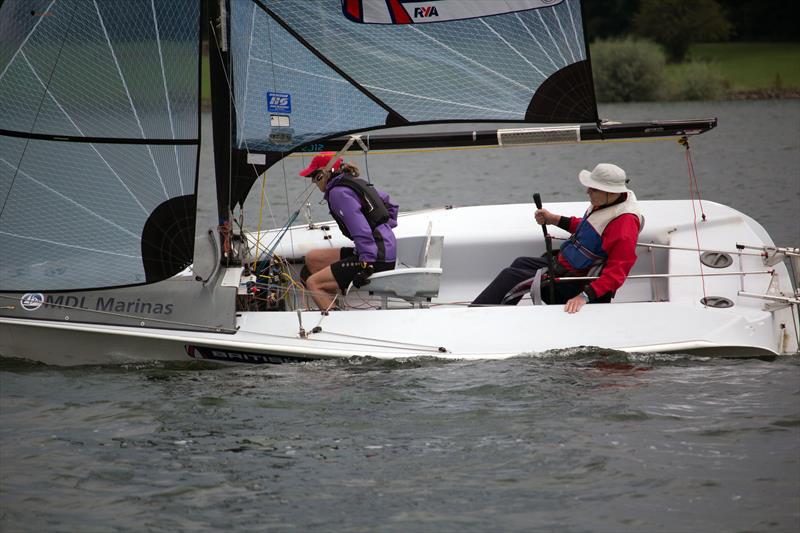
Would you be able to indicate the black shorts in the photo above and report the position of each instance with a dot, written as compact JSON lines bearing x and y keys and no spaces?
{"x":344,"y":270}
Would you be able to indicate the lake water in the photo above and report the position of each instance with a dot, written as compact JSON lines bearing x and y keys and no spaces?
{"x":567,"y":441}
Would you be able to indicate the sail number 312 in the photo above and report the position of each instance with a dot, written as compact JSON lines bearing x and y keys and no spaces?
{"x":312,"y":148}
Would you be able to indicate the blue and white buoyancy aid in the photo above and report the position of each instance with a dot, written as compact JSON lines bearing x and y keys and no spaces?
{"x":584,"y":248}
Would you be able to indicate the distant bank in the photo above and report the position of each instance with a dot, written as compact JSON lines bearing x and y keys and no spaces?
{"x":753,"y":71}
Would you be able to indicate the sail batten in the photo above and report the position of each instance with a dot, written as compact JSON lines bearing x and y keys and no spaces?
{"x":537,"y":69}
{"x":475,"y":62}
{"x":536,"y":40}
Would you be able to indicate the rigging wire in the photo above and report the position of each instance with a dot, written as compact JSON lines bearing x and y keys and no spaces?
{"x":281,"y":232}
{"x":685,"y":248}
{"x":260,"y":218}
{"x":264,"y":197}
{"x":232,"y":99}
{"x":693,"y":177}
{"x":283,"y":154}
{"x":218,"y":47}
{"x":427,"y":347}
{"x":692,"y":187}
{"x":269,"y":24}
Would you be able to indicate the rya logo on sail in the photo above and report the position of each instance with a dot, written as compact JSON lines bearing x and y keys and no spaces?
{"x":425,"y":12}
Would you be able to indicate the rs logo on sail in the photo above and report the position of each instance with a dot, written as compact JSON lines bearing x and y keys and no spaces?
{"x":279,"y":102}
{"x":425,"y":12}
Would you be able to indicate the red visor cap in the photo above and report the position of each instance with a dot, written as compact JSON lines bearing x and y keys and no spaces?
{"x":319,"y":162}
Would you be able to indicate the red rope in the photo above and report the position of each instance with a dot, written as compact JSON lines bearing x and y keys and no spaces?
{"x":694,"y":186}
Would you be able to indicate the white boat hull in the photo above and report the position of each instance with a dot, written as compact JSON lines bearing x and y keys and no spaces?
{"x":493,"y":333}
{"x":650,"y":314}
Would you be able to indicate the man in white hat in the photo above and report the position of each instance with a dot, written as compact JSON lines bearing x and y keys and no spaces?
{"x":604,"y":238}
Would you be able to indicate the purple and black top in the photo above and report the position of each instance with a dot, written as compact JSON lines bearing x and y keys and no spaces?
{"x":372,"y":244}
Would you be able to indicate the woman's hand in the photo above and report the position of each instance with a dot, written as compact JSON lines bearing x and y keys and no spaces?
{"x":543,"y":216}
{"x":362,"y":276}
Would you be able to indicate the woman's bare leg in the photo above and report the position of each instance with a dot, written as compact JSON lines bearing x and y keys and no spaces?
{"x":319,"y":258}
{"x":323,"y":287}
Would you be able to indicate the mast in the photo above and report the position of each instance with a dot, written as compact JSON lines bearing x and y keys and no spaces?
{"x":589,"y":61}
{"x":222,"y":114}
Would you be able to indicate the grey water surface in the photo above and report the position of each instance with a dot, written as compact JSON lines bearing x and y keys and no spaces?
{"x":577,"y":440}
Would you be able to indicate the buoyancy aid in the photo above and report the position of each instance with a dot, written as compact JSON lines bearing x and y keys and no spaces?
{"x":584,"y":248}
{"x":372,"y":205}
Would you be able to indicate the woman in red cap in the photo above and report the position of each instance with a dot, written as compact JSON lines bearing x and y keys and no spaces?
{"x":365,"y":215}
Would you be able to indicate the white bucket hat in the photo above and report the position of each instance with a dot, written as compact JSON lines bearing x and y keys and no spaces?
{"x":605,"y":177}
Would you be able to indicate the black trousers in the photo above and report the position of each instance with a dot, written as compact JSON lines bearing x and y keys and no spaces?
{"x":521,"y":269}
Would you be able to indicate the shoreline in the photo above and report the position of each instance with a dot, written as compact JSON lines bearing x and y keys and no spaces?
{"x":764,"y":94}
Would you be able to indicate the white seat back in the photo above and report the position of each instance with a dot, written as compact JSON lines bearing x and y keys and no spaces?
{"x":416,"y":277}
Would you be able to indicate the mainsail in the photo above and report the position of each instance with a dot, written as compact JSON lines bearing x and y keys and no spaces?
{"x":99,"y":137}
{"x":304,"y":71}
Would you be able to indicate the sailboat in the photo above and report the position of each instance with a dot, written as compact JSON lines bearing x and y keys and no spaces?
{"x":103,"y":260}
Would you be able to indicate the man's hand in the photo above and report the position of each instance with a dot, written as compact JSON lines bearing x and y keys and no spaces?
{"x":362,"y":276}
{"x":574,"y":305}
{"x":543,"y":216}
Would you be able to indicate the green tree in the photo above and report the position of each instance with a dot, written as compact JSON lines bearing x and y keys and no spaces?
{"x":629,"y":70}
{"x":675,"y":24}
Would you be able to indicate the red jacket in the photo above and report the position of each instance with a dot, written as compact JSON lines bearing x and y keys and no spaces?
{"x":619,"y":242}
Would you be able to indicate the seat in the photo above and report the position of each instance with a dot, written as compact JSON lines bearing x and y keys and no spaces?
{"x":416,"y":278}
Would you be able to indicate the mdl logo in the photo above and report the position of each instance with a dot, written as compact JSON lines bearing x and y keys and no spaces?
{"x":425,"y":12}
{"x":32,"y":301}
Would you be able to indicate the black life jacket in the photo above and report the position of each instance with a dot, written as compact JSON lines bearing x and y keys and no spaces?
{"x":372,"y":206}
